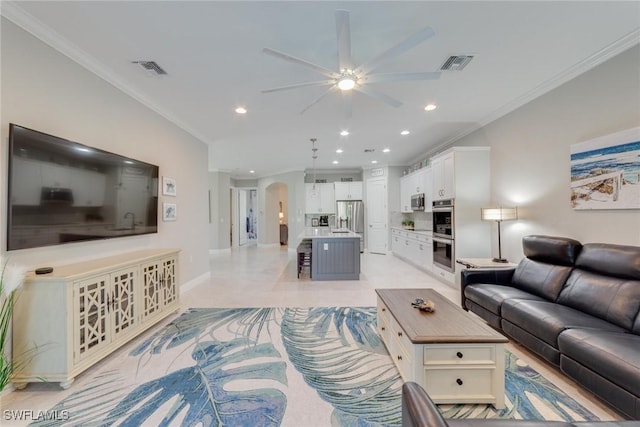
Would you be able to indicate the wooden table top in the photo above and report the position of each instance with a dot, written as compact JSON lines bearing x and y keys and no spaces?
{"x":448,"y":323}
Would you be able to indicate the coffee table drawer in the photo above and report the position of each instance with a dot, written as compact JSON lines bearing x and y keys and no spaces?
{"x":448,"y":354}
{"x":459,"y":384}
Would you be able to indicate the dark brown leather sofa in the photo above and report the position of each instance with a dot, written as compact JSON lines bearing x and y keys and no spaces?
{"x":418,"y":410}
{"x":575,"y":305}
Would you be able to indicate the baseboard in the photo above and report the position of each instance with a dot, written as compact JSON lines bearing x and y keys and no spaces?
{"x":203,"y":278}
{"x":218,"y":251}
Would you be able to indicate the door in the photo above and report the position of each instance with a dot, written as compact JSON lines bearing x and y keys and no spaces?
{"x":377,"y":215}
{"x":91,"y":316}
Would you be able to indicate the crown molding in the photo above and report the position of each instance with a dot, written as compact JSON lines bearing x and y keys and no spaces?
{"x":14,"y":13}
{"x":599,"y":57}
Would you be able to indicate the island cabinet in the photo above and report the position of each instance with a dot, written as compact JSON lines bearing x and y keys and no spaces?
{"x":67,"y":320}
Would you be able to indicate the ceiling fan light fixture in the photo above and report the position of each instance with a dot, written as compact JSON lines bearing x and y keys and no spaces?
{"x":346,"y":83}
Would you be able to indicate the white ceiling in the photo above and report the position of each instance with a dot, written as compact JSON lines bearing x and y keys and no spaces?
{"x":212,"y":52}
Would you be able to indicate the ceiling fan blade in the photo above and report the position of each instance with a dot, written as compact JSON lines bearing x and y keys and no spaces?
{"x":408,"y":43}
{"x":299,"y":61}
{"x":295,"y":86}
{"x":398,"y":77}
{"x":378,"y":95}
{"x":343,"y":32}
{"x":318,"y":99}
{"x":348,"y":104}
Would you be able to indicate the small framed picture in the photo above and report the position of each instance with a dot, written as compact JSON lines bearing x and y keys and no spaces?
{"x":169,"y":212}
{"x":168,"y":186}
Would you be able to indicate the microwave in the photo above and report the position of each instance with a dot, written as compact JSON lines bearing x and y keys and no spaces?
{"x":417,"y":202}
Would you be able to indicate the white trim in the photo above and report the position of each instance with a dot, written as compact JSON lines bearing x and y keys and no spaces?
{"x":193,"y":283}
{"x":217,"y":251}
{"x":29,"y":23}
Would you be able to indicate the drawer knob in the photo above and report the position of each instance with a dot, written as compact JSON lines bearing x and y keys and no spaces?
{"x":459,"y":381}
{"x":399,"y":334}
{"x":460,"y":355}
{"x":400,"y":358}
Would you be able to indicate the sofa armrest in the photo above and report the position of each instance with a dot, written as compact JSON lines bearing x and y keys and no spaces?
{"x":418,"y":410}
{"x":497,"y":276}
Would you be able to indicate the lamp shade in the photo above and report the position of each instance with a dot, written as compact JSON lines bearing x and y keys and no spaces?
{"x":499,"y":214}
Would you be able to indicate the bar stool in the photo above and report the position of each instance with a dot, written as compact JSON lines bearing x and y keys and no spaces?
{"x":304,"y":256}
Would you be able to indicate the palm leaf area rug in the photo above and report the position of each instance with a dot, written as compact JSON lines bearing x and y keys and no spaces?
{"x":277,"y":366}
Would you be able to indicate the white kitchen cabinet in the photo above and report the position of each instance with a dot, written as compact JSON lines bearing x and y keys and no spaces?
{"x":70,"y":319}
{"x":348,"y":190}
{"x":443,"y":176}
{"x":27,"y":182}
{"x":320,"y":198}
{"x":418,"y":182}
{"x":414,"y":247}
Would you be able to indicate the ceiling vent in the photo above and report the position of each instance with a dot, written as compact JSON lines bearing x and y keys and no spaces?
{"x":456,"y":62}
{"x":152,"y":67}
{"x":369,"y":150}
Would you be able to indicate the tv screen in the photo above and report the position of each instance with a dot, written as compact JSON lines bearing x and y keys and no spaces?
{"x":62,"y":191}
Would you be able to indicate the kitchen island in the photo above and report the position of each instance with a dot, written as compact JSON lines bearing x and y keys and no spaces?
{"x":335,"y":253}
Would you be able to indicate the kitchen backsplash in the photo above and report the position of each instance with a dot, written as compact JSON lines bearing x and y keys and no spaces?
{"x":421,"y":220}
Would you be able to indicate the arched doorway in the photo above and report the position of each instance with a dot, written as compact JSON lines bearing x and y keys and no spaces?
{"x":276,"y":214}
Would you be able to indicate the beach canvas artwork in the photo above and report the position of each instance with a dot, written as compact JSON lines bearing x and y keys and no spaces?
{"x":605,"y":172}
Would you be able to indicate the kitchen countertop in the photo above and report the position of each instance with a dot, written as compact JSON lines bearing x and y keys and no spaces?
{"x":327,"y":233}
{"x":418,"y":231}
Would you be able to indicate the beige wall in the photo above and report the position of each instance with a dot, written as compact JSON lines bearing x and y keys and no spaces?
{"x":530,"y":155}
{"x":44,"y":90}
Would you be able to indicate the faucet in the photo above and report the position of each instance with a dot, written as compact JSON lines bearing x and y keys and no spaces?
{"x":133,"y":219}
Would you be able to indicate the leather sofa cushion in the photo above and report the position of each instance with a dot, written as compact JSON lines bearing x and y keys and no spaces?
{"x":546,"y":320}
{"x":541,"y":279}
{"x":551,"y":249}
{"x":609,"y":298}
{"x":611,"y":260}
{"x":615,"y":356}
{"x":491,"y":297}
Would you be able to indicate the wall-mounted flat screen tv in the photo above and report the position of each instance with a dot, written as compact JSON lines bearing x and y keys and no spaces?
{"x":62,"y":191}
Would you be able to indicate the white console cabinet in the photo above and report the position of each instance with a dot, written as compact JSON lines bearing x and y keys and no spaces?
{"x":68,"y":320}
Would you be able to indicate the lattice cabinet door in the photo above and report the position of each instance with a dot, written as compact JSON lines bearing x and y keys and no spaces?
{"x":151,"y":289}
{"x":169,"y":281}
{"x":91,"y":316}
{"x":123,"y":308}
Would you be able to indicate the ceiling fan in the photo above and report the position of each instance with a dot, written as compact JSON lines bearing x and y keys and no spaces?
{"x":349,"y":78}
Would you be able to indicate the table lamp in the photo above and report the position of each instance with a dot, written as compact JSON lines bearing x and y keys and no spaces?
{"x":499,"y":214}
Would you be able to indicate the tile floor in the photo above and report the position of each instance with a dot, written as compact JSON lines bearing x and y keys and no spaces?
{"x":256,"y":276}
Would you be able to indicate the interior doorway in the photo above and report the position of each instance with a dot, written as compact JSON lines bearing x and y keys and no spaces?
{"x":244,"y":219}
{"x":277,"y":214}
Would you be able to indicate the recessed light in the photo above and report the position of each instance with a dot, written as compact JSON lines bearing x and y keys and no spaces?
{"x":335,"y":162}
{"x":386,"y":150}
{"x":374,"y":161}
{"x":252,"y":171}
{"x":339,"y":150}
{"x":430,"y":107}
{"x":405,"y":132}
{"x":344,"y":133}
{"x":241,"y":110}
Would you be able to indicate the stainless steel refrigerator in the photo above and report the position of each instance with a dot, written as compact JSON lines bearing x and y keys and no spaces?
{"x":350,"y":215}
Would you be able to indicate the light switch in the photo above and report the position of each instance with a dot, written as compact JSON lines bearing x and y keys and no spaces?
{"x":326,"y":247}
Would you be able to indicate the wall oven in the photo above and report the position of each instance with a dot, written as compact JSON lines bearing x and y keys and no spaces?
{"x":444,"y":254}
{"x":443,"y":224}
